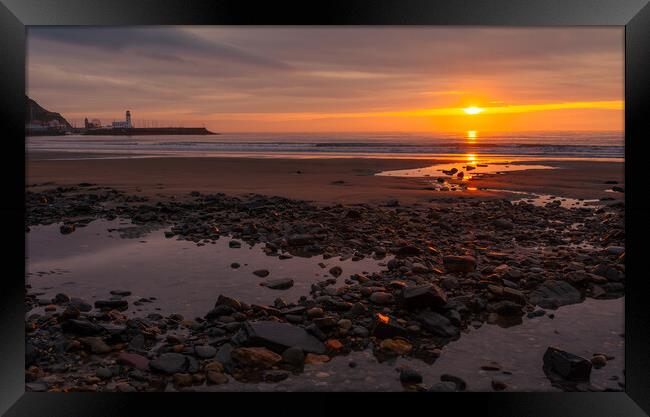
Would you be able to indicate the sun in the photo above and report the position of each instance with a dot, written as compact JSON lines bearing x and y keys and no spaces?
{"x":473,"y":110}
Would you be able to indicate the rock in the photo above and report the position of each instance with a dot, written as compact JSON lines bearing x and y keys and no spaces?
{"x":315,"y":312}
{"x":96,"y":345}
{"x":455,"y":263}
{"x":234,"y":265}
{"x":67,"y":228}
{"x":437,"y":324}
{"x":134,"y":360}
{"x":280,"y":336}
{"x":214,"y":366}
{"x":408,"y":376}
{"x":423,"y":296}
{"x":222,"y":300}
{"x":234,"y":244}
{"x":205,"y":351}
{"x":336,"y":271}
{"x":300,"y":240}
{"x":381,"y":298}
{"x":499,"y":385}
{"x":112,"y":304}
{"x":278,"y":284}
{"x":553,"y":294}
{"x":461,"y":385}
{"x":121,"y":293}
{"x":182,"y":380}
{"x":567,"y":365}
{"x":333,"y":345}
{"x":345,"y":324}
{"x":443,"y":387}
{"x":171,"y":363}
{"x":80,"y":305}
{"x":217,"y":378}
{"x":383,"y":330}
{"x":312,"y":359}
{"x":294,"y":356}
{"x":449,"y":283}
{"x":615,"y":250}
{"x":261,"y":273}
{"x":274,"y":375}
{"x":255,"y":357}
{"x":507,"y":308}
{"x":503,"y":224}
{"x":408,"y":250}
{"x":598,"y":361}
{"x":81,"y":327}
{"x":396,"y":346}
{"x":104,"y":373}
{"x":60,"y":299}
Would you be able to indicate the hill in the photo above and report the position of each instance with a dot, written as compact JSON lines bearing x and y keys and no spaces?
{"x":35,"y":114}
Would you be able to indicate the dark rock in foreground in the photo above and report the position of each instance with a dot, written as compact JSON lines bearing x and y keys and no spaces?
{"x":554,"y":294}
{"x":423,"y":296}
{"x":437,"y":324}
{"x":279,"y":337}
{"x":279,"y":284}
{"x":455,"y":263}
{"x":567,"y":365}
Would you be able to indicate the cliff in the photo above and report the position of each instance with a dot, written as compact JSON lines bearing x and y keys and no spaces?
{"x":36,"y":114}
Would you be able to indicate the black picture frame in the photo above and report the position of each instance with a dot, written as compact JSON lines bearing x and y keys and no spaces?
{"x":15,"y":15}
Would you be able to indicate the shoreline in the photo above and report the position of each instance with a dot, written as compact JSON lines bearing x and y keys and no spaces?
{"x":321,"y":180}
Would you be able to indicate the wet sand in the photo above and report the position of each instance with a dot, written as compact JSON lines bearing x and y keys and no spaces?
{"x":344,"y":180}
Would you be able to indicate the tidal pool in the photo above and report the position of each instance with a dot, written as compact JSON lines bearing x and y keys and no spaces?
{"x":183,"y":277}
{"x":594,"y":326}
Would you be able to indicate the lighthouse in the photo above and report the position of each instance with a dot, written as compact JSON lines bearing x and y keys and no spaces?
{"x":128,"y":119}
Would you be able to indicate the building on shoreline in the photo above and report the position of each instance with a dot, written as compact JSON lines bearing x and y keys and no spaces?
{"x":126,"y":124}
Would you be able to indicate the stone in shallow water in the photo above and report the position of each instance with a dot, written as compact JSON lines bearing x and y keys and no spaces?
{"x":567,"y":365}
{"x":279,"y":284}
{"x":410,"y":376}
{"x":279,"y":336}
{"x":554,"y":294}
{"x":437,"y":324}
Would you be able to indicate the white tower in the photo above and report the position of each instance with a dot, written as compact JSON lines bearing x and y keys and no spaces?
{"x":128,"y":119}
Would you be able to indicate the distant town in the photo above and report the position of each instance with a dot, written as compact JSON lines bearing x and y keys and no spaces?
{"x":41,"y":122}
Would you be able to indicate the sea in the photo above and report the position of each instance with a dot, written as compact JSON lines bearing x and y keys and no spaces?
{"x":526,"y":145}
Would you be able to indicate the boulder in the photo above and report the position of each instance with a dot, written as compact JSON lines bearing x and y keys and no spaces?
{"x":81,"y":327}
{"x":553,"y":294}
{"x":279,"y":337}
{"x":455,"y":263}
{"x":567,"y":365}
{"x":437,"y":324}
{"x":423,"y":296}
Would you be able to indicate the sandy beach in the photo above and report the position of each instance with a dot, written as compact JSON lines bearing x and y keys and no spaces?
{"x":343,"y":180}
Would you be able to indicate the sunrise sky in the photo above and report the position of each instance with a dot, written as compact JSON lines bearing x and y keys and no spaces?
{"x":333,"y":79}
